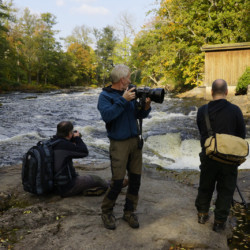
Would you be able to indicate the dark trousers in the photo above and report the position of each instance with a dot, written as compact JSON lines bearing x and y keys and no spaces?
{"x":124,"y":156}
{"x":83,"y":183}
{"x":223,"y":177}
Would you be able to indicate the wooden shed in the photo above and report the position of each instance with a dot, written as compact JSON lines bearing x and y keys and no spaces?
{"x":226,"y":61}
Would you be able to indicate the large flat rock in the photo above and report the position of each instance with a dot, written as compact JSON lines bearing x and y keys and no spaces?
{"x":166,"y":213}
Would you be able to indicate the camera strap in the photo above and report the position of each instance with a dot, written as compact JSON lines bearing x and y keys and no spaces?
{"x":141,"y":105}
{"x":140,"y":143}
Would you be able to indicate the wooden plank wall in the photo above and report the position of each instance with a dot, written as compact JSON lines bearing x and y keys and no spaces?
{"x":228,"y":65}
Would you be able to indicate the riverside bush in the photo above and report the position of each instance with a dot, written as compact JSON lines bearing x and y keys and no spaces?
{"x":243,"y":82}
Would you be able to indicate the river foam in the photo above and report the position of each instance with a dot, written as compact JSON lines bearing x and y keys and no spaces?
{"x":170,"y":132}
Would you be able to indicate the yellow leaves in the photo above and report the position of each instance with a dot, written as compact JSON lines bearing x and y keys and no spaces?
{"x":27,"y":212}
{"x":166,"y":64}
{"x":140,"y":54}
{"x":58,"y":217}
{"x":167,"y":1}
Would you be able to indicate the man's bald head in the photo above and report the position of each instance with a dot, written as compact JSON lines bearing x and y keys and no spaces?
{"x":219,"y":87}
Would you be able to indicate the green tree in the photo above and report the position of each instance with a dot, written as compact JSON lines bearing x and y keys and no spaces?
{"x":62,"y":71}
{"x":170,"y":47}
{"x":105,"y":51}
{"x":36,"y":46}
{"x":4,"y":44}
{"x":28,"y":49}
{"x":80,"y":35}
{"x":83,"y":59}
{"x":243,"y":82}
{"x":48,"y":46}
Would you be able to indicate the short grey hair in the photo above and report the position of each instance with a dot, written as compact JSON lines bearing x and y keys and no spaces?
{"x":118,"y":72}
{"x":219,"y":86}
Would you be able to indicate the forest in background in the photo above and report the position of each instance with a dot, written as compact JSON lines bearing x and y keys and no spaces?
{"x":166,"y":52}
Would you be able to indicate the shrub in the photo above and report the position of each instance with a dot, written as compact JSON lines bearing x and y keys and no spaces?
{"x":243,"y":82}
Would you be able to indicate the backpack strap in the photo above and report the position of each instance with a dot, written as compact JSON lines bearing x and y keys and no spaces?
{"x":208,"y":124}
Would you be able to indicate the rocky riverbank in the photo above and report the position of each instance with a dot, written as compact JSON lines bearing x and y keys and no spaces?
{"x":166,"y":212}
{"x":243,"y":101}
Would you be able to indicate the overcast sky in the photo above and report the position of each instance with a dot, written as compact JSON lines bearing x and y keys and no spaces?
{"x":92,"y":13}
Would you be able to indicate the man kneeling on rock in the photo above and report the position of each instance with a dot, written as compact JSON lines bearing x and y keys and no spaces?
{"x":68,"y":182}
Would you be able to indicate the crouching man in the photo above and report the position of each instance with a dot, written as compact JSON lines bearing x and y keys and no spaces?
{"x":68,"y":182}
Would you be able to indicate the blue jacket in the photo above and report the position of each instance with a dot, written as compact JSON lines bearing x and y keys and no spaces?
{"x":119,"y":114}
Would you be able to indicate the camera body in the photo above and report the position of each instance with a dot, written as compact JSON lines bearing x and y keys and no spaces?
{"x":75,"y":131}
{"x":156,"y":95}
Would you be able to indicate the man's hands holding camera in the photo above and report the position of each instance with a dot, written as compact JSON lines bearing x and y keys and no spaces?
{"x":77,"y":134}
{"x":147,"y":103}
{"x":129,"y":94}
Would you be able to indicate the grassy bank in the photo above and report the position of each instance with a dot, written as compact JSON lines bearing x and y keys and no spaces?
{"x":26,"y":87}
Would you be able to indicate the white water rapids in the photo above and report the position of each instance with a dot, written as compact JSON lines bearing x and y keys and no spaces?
{"x":170,"y":133}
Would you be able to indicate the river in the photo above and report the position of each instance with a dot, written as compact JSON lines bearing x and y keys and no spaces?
{"x":170,"y":132}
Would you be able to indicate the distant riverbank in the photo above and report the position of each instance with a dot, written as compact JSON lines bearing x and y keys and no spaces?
{"x":40,"y":88}
{"x":243,"y":101}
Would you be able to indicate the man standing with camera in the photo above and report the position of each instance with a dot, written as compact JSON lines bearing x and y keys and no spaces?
{"x":225,"y":118}
{"x":120,"y":112}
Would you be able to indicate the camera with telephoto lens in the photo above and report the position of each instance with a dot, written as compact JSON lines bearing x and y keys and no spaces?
{"x":156,"y":95}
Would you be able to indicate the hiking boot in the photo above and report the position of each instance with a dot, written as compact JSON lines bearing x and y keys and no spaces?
{"x":219,"y":226}
{"x":203,"y":218}
{"x":132,"y":219}
{"x":109,"y":221}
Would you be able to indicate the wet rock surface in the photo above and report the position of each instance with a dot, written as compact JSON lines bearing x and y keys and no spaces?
{"x":166,"y":213}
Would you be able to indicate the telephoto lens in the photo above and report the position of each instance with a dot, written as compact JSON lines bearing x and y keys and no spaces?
{"x":156,"y":95}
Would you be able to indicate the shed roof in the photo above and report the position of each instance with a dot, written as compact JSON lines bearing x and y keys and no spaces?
{"x":226,"y":46}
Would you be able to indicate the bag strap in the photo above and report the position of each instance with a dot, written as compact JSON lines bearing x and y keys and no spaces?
{"x":55,"y":142}
{"x":208,"y":124}
{"x":49,"y":142}
{"x":140,"y":105}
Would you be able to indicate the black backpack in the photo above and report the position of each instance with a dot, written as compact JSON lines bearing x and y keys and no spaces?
{"x":38,"y":168}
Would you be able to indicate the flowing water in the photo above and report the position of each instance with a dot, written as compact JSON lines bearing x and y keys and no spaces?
{"x":170,"y":132}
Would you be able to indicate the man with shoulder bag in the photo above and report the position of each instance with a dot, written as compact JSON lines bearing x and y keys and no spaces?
{"x":219,"y":121}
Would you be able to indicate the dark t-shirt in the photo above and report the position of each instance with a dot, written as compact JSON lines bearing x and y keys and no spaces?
{"x":225,"y":118}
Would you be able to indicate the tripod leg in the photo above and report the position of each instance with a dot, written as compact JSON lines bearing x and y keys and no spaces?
{"x":242,"y":198}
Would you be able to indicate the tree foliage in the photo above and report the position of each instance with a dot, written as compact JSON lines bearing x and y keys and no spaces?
{"x":4,"y":44}
{"x":244,"y":81}
{"x":84,"y":62}
{"x":106,"y":42}
{"x":169,"y":49}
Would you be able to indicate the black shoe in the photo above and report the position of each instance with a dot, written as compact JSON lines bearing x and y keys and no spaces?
{"x":109,"y":221}
{"x":132,"y":219}
{"x":219,"y":226}
{"x":203,"y":218}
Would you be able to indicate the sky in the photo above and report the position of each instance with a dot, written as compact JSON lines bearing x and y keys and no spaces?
{"x":91,"y":13}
